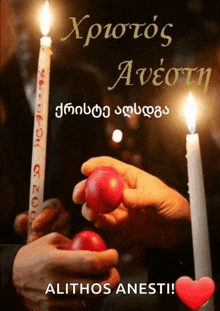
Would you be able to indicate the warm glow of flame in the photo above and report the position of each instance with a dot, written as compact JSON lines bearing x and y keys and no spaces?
{"x":117,"y":136}
{"x":45,"y":19}
{"x":190,"y":111}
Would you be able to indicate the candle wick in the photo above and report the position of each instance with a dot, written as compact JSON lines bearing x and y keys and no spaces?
{"x":192,"y":130}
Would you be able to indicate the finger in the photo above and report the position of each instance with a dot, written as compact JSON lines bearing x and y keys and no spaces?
{"x":95,"y":287}
{"x":21,"y":224}
{"x":61,"y":225}
{"x":100,"y":220}
{"x":106,"y":221}
{"x":51,"y":210}
{"x":55,"y":240}
{"x":84,"y":262}
{"x":136,"y":199}
{"x":44,"y":219}
{"x":79,"y":192}
{"x":88,"y":213}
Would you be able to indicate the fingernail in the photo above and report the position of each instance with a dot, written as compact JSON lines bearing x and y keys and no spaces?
{"x":75,"y":189}
{"x":83,"y":166}
{"x":86,"y":216}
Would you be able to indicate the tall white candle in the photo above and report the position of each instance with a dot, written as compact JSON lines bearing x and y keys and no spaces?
{"x":40,"y":122}
{"x":199,"y":223}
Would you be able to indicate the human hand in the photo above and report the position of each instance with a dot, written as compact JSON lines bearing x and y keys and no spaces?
{"x":151,"y":212}
{"x":53,"y":218}
{"x":48,"y":261}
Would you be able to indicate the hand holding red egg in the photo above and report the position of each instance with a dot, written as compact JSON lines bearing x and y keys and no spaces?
{"x":42,"y":265}
{"x":145,"y":210}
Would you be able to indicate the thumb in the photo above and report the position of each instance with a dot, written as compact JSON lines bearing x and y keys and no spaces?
{"x":136,"y":199}
{"x":21,"y":224}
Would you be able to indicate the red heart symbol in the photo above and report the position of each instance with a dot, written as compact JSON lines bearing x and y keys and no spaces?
{"x":194,"y":294}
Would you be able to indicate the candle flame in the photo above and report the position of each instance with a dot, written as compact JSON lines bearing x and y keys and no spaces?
{"x":190,"y":111}
{"x":45,"y":19}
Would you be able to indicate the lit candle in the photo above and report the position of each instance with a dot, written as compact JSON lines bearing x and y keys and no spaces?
{"x":199,"y":223}
{"x":40,"y":121}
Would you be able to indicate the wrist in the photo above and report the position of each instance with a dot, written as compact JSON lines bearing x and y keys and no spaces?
{"x":10,"y":298}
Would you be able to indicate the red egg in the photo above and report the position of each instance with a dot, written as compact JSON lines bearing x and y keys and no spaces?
{"x":104,"y":190}
{"x":88,"y":240}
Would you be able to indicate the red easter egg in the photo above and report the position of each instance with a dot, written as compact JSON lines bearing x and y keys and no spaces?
{"x":104,"y":190}
{"x":88,"y":240}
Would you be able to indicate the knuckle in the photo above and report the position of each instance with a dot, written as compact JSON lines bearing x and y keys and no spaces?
{"x":54,"y":202}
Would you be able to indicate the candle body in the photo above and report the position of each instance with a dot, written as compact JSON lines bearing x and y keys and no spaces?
{"x":202,"y":260}
{"x":40,"y":132}
{"x":199,"y":223}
